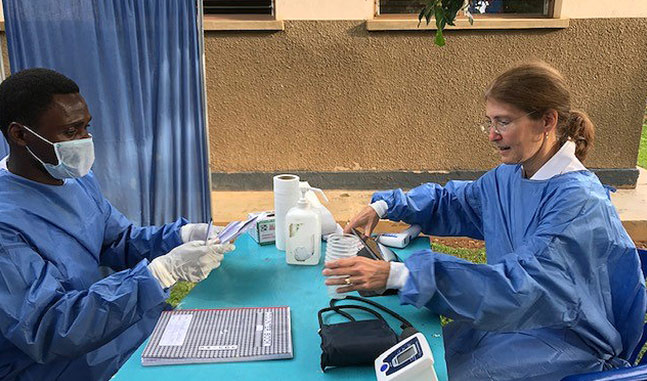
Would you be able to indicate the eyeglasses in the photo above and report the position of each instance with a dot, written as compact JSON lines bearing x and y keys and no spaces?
{"x":501,"y":126}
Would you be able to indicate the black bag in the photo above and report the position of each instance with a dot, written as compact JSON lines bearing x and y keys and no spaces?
{"x":357,"y":342}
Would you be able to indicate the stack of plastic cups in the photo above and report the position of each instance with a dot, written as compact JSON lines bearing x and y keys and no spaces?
{"x":340,"y":246}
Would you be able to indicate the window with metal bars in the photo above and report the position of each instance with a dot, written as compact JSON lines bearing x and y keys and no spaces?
{"x":510,"y":7}
{"x":256,"y":7}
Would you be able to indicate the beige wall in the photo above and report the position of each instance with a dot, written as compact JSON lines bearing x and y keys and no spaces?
{"x":328,"y":95}
{"x":364,"y":9}
{"x":324,"y":9}
{"x":604,"y":8}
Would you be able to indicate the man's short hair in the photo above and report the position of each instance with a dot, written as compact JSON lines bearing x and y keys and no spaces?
{"x":27,"y":94}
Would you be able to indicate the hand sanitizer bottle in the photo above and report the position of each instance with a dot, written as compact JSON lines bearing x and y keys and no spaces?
{"x":303,"y":234}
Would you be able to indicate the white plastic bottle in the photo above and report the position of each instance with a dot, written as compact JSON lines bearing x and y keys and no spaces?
{"x":303,"y":233}
{"x":328,"y":223}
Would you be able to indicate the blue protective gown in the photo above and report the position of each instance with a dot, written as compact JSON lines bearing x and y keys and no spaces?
{"x":562,"y":291}
{"x":59,"y":318}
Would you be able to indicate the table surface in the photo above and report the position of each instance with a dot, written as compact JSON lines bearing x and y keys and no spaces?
{"x":257,"y":276}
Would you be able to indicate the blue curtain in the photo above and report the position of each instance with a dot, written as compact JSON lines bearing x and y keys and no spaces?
{"x":137,"y":63}
{"x":4,"y":148}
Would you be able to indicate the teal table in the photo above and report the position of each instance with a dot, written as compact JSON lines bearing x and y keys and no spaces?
{"x":257,"y":276}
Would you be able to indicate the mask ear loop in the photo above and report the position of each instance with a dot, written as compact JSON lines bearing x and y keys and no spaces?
{"x":43,"y":139}
{"x":37,"y":135}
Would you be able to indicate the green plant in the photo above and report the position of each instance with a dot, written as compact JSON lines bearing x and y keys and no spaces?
{"x":642,"y":153}
{"x":444,"y":12}
{"x":178,"y":292}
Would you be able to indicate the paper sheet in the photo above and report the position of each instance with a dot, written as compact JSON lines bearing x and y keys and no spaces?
{"x":236,"y":228}
{"x":176,"y":329}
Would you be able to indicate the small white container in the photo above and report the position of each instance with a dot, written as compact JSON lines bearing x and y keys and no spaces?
{"x":402,"y":239}
{"x":264,"y":230}
{"x":340,"y":246}
{"x":303,"y":234}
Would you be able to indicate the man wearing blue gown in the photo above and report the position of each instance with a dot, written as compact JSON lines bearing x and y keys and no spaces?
{"x":562,"y":291}
{"x":59,"y":317}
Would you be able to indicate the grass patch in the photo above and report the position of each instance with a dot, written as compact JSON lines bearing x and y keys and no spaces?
{"x":472,"y":255}
{"x":642,"y":151}
{"x":178,"y":292}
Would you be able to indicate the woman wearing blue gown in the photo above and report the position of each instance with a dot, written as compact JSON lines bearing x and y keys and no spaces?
{"x":562,"y":292}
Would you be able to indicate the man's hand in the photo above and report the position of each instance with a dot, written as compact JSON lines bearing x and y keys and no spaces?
{"x":359,"y":274}
{"x":197,"y":232}
{"x":366,"y":219}
{"x":191,"y":262}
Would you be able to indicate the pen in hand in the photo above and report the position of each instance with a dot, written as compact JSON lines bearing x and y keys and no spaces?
{"x":206,"y":239}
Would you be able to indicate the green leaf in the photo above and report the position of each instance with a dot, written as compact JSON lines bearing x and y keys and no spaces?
{"x":440,"y":18}
{"x":444,"y":12}
{"x":428,"y":15}
{"x":427,"y":11}
{"x":451,"y":8}
{"x":440,"y":40}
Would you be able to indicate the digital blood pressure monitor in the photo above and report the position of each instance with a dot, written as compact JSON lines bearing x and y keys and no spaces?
{"x":409,"y":360}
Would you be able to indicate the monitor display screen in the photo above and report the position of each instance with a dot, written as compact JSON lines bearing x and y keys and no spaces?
{"x":406,"y":355}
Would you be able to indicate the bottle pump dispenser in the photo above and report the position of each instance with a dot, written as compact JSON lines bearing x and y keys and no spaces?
{"x":303,"y":231}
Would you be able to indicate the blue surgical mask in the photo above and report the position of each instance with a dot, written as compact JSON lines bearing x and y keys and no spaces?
{"x":75,"y":157}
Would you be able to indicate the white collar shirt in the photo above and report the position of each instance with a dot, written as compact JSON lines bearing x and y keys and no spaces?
{"x":563,"y":161}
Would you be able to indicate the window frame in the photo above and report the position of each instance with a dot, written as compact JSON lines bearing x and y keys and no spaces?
{"x":242,"y":21}
{"x":394,"y":21}
{"x":271,"y":7}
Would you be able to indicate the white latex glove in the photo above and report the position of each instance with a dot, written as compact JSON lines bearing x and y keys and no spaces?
{"x":191,"y":262}
{"x":198,"y":232}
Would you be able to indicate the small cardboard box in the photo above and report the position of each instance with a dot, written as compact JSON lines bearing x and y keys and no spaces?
{"x":263,"y":232}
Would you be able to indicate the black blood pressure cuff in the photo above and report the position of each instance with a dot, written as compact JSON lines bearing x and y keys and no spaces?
{"x":357,"y":342}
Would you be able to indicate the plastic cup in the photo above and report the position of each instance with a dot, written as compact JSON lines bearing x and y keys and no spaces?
{"x":340,"y":246}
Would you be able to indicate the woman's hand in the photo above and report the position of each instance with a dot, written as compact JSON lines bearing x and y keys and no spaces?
{"x":366,"y":219}
{"x":360,"y":274}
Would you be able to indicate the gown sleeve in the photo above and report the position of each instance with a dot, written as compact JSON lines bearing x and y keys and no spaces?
{"x":452,"y":210}
{"x":125,"y":245}
{"x":534,"y":286}
{"x":43,"y":319}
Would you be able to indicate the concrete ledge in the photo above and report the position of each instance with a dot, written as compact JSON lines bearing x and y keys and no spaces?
{"x":623,"y":178}
{"x":408,"y":22}
{"x":631,"y":205}
{"x":242,"y":22}
{"x":637,"y":229}
{"x":363,"y":180}
{"x":355,"y":180}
